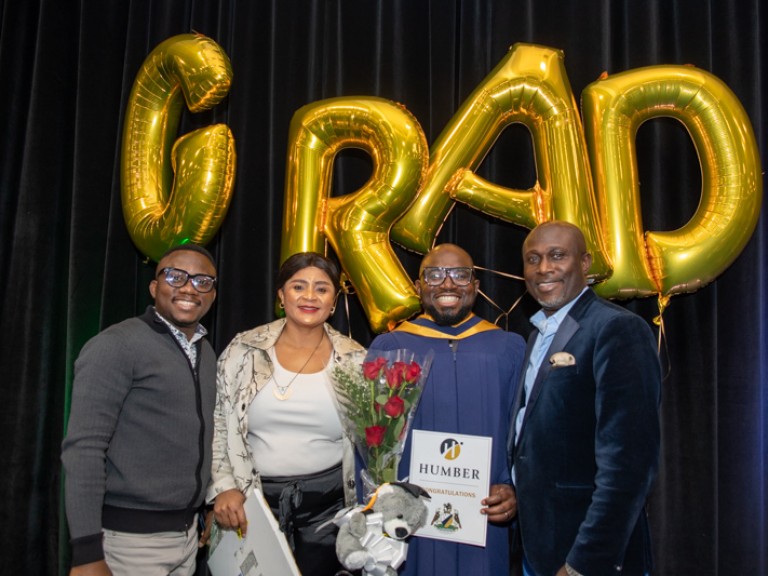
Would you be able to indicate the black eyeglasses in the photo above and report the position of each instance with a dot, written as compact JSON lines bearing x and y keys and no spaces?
{"x":177,"y":278}
{"x":435,"y":275}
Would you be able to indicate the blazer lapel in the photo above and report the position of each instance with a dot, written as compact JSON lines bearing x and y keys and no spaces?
{"x":564,"y":333}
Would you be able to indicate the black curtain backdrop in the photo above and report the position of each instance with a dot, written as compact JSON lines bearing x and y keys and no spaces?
{"x":69,"y":268}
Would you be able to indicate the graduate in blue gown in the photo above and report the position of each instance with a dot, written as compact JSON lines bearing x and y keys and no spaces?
{"x":469,"y":390}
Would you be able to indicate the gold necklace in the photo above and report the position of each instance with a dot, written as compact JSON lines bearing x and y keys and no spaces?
{"x":282,"y":393}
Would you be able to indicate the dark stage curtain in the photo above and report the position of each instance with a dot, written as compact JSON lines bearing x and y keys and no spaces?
{"x":69,"y":267}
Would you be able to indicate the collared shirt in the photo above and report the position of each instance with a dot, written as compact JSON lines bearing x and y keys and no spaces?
{"x":547,"y":327}
{"x":188,"y":345}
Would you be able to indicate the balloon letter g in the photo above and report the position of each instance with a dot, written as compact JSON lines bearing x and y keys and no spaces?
{"x":161,"y":211}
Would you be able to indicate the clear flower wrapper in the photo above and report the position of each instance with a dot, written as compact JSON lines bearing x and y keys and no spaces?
{"x":378,"y":393}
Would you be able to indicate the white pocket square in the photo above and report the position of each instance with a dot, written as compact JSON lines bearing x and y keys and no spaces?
{"x":560,"y":359}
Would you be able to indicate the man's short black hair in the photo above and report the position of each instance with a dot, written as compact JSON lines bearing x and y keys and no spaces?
{"x":191,"y":248}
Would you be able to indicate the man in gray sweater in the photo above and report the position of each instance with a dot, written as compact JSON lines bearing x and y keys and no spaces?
{"x":137,"y":455}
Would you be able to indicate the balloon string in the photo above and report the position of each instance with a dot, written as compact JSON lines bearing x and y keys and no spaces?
{"x":662,"y":342}
{"x":502,"y":313}
{"x":347,"y":289}
{"x":498,"y":273}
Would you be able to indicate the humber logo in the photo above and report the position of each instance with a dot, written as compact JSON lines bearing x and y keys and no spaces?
{"x":450,"y":448}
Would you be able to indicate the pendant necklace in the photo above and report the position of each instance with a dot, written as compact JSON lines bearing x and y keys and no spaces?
{"x":282,"y":393}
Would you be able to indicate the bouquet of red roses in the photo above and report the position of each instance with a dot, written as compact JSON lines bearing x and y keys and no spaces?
{"x":378,"y":396}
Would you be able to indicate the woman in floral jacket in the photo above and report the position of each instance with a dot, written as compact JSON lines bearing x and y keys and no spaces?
{"x":276,"y":424}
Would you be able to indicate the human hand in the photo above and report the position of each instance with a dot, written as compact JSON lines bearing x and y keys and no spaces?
{"x":206,"y":535}
{"x":229,"y":511}
{"x":98,"y":568}
{"x":501,"y":504}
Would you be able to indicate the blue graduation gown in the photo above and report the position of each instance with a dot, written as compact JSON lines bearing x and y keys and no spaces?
{"x":469,"y":390}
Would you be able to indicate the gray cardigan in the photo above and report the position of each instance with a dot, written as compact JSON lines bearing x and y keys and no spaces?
{"x":137,"y":454}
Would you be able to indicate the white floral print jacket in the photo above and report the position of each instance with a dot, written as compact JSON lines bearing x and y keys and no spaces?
{"x":244,"y":368}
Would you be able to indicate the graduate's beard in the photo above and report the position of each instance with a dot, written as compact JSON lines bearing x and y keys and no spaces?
{"x":450,"y":317}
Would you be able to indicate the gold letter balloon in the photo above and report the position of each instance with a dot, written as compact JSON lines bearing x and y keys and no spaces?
{"x":529,"y":86}
{"x":176,"y":190}
{"x":586,"y":174}
{"x":682,"y":260}
{"x":357,"y":225}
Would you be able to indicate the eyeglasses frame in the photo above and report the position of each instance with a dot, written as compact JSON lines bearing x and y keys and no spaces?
{"x":190,"y":278}
{"x":448,"y":271}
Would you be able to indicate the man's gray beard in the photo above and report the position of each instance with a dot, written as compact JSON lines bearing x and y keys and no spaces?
{"x":554,"y":305}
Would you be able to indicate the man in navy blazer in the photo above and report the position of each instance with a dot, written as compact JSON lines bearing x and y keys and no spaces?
{"x":584,"y":445}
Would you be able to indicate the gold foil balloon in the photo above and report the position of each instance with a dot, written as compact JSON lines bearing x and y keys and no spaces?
{"x":529,"y":86}
{"x":686,"y":259}
{"x":162,"y":210}
{"x":357,"y":225}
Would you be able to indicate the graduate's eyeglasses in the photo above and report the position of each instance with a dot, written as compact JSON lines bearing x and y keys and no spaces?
{"x":435,"y":275}
{"x":177,"y":278}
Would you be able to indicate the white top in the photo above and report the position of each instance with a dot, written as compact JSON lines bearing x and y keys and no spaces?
{"x":297,"y":436}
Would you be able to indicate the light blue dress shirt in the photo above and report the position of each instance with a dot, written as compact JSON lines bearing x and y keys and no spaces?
{"x":547,"y":327}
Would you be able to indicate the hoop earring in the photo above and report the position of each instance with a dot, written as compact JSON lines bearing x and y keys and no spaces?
{"x":282,"y":304}
{"x":333,"y":309}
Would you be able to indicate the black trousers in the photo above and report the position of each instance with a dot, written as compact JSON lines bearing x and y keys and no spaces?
{"x":301,"y":504}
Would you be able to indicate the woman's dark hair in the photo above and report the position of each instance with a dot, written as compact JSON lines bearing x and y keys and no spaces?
{"x":305,"y":260}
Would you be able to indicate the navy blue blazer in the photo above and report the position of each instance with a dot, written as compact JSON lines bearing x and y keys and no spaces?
{"x":588,"y":448}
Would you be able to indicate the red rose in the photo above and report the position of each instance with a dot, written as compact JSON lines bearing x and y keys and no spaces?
{"x":372,"y":368}
{"x":396,"y":375}
{"x":394,"y":407}
{"x":413,"y":372}
{"x":374,"y":435}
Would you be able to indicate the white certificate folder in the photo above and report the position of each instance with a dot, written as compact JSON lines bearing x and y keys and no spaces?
{"x":262,"y":551}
